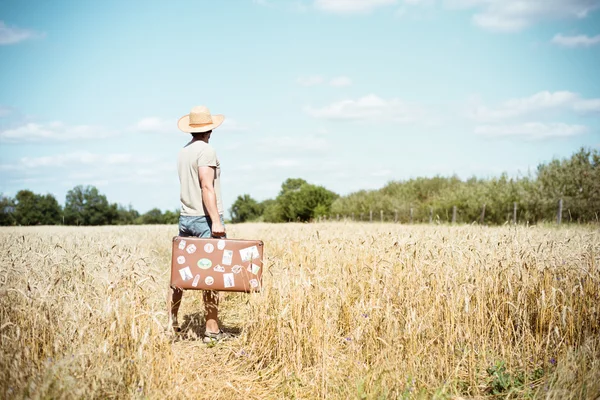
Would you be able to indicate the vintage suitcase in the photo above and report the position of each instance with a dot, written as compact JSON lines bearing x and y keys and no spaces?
{"x":217,"y":264}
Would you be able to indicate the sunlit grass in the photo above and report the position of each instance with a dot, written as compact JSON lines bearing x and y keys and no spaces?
{"x":349,"y":310}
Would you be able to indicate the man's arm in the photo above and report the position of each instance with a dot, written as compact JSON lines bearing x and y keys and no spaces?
{"x":209,"y":199}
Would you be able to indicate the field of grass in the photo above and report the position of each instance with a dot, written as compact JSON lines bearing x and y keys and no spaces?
{"x":349,"y":310}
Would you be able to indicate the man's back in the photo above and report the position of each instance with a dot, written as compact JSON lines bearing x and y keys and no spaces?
{"x":197,"y":154}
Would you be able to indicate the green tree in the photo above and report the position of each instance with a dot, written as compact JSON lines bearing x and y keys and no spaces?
{"x":152,"y":217}
{"x":35,"y":209}
{"x":27,"y":211}
{"x":51,"y":210}
{"x":576,"y":180}
{"x":126,"y":216}
{"x":303,"y":201}
{"x":171,"y":217}
{"x":86,"y":206}
{"x":245,"y":208}
{"x":291,"y":184}
{"x":7,"y":211}
{"x":271,"y":211}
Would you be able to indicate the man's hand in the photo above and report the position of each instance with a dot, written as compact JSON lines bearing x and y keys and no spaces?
{"x":217,"y":229}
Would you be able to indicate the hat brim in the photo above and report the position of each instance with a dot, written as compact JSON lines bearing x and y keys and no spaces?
{"x":184,"y":124}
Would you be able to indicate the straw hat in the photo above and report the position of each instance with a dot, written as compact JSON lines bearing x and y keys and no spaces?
{"x":199,"y":120}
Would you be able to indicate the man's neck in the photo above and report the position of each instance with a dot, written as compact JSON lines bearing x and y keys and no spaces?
{"x":202,"y":139}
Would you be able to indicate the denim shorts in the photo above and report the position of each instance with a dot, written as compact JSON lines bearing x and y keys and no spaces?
{"x":196,"y":226}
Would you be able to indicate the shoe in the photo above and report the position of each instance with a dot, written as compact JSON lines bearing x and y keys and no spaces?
{"x":214,"y":337}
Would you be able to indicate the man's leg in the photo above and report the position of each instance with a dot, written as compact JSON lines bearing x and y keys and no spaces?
{"x":211,"y":306}
{"x":174,"y":296}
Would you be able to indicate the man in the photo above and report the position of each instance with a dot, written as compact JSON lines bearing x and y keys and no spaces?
{"x":201,"y":204}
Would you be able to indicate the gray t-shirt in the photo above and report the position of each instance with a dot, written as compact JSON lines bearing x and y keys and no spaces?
{"x":191,"y":157}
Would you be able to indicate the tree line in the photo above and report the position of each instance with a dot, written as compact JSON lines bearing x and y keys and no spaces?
{"x":84,"y":205}
{"x":574,"y":180}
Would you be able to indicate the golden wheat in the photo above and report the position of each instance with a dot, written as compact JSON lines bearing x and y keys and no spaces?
{"x":348,"y":310}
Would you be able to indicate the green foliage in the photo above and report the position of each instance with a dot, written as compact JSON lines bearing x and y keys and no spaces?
{"x":576,"y":180}
{"x":7,"y":211}
{"x":301,"y":201}
{"x":126,"y":216}
{"x":291,"y":184}
{"x":271,"y":211}
{"x":156,"y":217}
{"x":171,"y":217}
{"x":245,"y":208}
{"x":153,"y":217}
{"x":86,"y":206}
{"x":35,"y":209}
{"x":502,"y":383}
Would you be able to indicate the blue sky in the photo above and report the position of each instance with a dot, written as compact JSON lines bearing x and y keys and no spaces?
{"x":349,"y":94}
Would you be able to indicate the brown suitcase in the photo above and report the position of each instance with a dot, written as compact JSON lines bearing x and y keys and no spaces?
{"x":233,"y":265}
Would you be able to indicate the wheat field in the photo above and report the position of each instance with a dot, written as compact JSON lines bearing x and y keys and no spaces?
{"x":348,"y":311}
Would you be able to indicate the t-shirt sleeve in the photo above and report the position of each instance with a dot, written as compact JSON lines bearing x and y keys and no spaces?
{"x":207,"y":157}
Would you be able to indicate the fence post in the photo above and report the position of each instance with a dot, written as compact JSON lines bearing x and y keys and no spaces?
{"x":411,"y":215}
{"x":430,"y":215}
{"x":370,"y":215}
{"x":381,"y":214}
{"x":361,"y":217}
{"x":559,"y":215}
{"x":395,"y":215}
{"x":482,"y":219}
{"x":453,"y":214}
{"x":515,"y":213}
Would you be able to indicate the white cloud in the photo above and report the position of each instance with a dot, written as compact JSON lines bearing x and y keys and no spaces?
{"x":575,"y":41}
{"x":536,"y":104}
{"x":370,"y":107}
{"x":91,"y":168}
{"x":351,"y":6}
{"x":13,"y":35}
{"x":516,"y":15}
{"x":312,"y":80}
{"x":53,"y":131}
{"x":74,"y":159}
{"x":587,"y":106}
{"x":340,"y":81}
{"x":532,"y":130}
{"x":155,"y":124}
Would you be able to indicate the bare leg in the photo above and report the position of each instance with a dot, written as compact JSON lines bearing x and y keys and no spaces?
{"x":174,"y":296}
{"x":211,"y":306}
